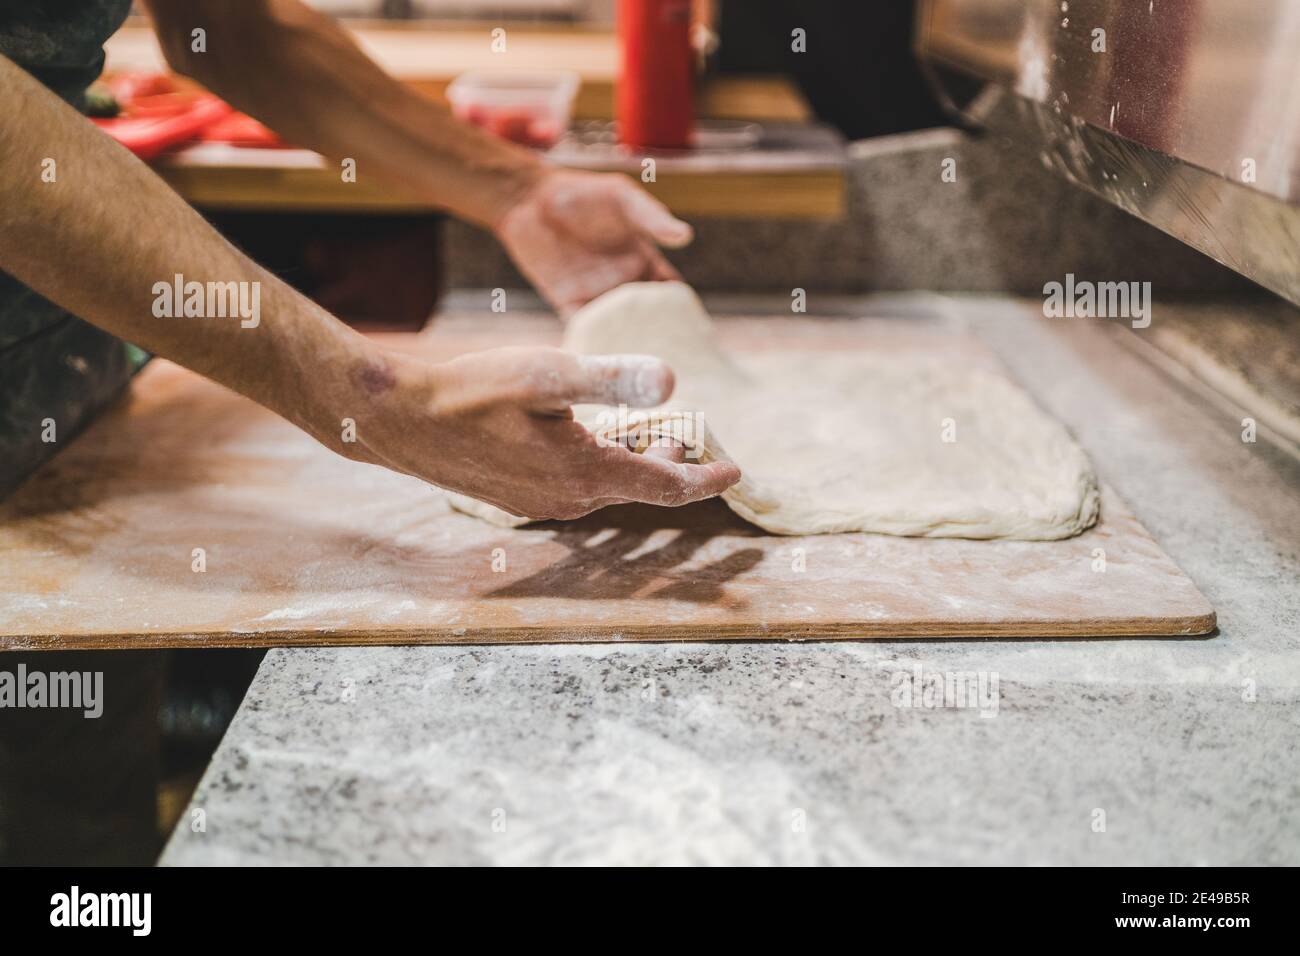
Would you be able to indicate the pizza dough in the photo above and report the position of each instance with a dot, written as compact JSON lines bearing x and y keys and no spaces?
{"x":843,"y":441}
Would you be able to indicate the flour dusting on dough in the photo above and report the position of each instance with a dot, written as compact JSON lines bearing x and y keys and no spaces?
{"x":849,"y":440}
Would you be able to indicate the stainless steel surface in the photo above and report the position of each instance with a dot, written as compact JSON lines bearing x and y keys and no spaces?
{"x":1185,"y":113}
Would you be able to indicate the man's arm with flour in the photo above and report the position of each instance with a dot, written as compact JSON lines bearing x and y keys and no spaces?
{"x":105,"y":234}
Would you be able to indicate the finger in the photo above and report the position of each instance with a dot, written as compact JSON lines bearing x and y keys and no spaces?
{"x":683,"y":484}
{"x":659,"y":482}
{"x":575,"y":287}
{"x":653,"y":218}
{"x":659,"y":269}
{"x":671,"y":452}
{"x":637,"y":380}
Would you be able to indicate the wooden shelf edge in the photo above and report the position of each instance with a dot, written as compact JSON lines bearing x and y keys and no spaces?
{"x":810,"y":195}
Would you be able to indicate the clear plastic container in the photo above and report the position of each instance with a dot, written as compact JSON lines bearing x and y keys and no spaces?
{"x":533,"y":109}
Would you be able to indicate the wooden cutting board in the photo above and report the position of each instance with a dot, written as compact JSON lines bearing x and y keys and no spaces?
{"x":298,"y":546}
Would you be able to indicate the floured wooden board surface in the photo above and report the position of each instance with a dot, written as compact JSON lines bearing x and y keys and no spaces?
{"x":303,"y":547}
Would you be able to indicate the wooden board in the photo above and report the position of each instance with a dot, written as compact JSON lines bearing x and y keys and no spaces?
{"x":302,"y":547}
{"x":215,"y":176}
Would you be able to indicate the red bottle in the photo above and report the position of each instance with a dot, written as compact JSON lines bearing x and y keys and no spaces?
{"x":655,"y":108}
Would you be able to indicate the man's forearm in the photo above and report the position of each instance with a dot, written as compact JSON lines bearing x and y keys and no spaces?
{"x":91,"y":228}
{"x":300,"y":73}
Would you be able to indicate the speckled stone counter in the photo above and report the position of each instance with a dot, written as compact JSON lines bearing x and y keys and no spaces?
{"x":1121,"y":751}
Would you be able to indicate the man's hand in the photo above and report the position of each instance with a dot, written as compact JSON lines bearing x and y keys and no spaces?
{"x":576,"y":235}
{"x":498,"y":426}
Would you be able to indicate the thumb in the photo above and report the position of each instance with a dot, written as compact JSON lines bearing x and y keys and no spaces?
{"x":653,"y":218}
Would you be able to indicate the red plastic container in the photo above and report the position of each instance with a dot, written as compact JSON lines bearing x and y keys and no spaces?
{"x":655,"y":104}
{"x":533,"y":109}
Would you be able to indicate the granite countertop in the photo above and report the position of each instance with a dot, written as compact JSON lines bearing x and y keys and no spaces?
{"x":1110,"y":751}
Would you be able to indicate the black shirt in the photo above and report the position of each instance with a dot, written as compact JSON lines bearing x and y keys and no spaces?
{"x":53,"y":367}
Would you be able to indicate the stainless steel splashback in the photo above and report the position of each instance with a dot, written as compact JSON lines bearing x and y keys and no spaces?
{"x":1185,"y":113}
